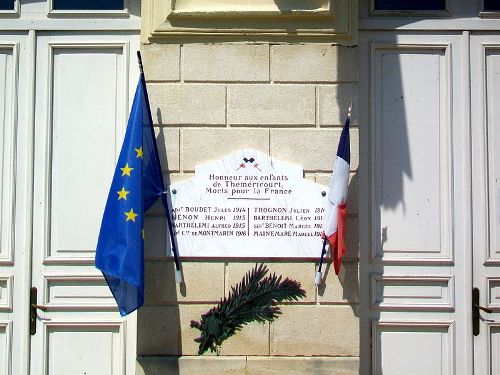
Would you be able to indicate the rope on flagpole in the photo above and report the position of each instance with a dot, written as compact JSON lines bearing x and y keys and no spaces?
{"x":164,"y":194}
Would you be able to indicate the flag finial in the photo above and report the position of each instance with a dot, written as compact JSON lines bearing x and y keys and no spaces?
{"x":349,"y":111}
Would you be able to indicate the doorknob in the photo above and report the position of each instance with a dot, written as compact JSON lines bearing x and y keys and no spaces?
{"x":33,"y":308}
{"x":475,"y":311}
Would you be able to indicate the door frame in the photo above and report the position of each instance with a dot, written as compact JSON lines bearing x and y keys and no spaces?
{"x":372,"y":318}
{"x":21,"y":29}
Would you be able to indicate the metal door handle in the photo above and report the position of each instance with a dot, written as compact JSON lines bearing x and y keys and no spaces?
{"x":485,"y":309}
{"x":40,"y":307}
{"x":475,"y":311}
{"x":33,"y":307}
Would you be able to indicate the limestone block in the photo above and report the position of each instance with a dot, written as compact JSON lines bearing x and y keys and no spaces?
{"x":187,"y":313}
{"x":157,"y":365}
{"x":313,"y":63}
{"x":303,"y":63}
{"x":203,"y":282}
{"x":352,"y":238}
{"x":212,"y":366}
{"x":302,"y":272}
{"x":313,"y":149}
{"x":225,"y":62}
{"x":166,"y":329}
{"x":167,"y":140}
{"x":188,"y":104}
{"x":315,"y":330}
{"x":161,"y":62}
{"x":253,"y":339}
{"x":343,"y":288}
{"x":302,"y":366}
{"x":174,"y":178}
{"x":271,"y":105}
{"x":202,"y":145}
{"x":158,"y":330}
{"x":155,"y":234}
{"x":347,"y":64}
{"x":333,"y":103}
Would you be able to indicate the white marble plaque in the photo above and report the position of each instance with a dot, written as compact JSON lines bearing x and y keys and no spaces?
{"x":248,"y":205}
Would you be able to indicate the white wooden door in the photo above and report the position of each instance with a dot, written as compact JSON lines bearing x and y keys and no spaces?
{"x":433,"y":126}
{"x":83,"y":87}
{"x":15,"y":203}
{"x":485,"y":115}
{"x":415,"y":276}
{"x":66,"y":81}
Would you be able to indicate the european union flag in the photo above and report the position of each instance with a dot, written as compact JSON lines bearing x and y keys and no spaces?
{"x":137,"y":184}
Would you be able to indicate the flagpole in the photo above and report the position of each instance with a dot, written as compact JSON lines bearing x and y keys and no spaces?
{"x":164,"y":200}
{"x":318,"y":272}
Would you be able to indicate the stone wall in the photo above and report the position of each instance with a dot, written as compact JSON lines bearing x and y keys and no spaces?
{"x":287,"y":100}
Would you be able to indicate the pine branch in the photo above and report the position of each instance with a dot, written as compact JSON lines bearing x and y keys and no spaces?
{"x":254,"y":298}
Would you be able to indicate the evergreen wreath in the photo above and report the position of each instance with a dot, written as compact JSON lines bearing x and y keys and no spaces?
{"x":254,"y":298}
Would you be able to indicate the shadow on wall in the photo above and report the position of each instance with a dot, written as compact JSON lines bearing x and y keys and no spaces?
{"x":392,"y":118}
{"x":150,"y":365}
{"x":348,"y":276}
{"x":158,"y":321}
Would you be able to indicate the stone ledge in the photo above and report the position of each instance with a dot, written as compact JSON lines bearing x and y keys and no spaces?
{"x":254,"y":20}
{"x":191,"y":365}
{"x":302,"y":365}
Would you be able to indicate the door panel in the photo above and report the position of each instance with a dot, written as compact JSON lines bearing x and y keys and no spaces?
{"x":8,"y":114}
{"x":87,"y":348}
{"x":88,"y":104}
{"x":82,"y":87}
{"x":434,"y":342}
{"x":485,"y":89}
{"x":412,"y":152}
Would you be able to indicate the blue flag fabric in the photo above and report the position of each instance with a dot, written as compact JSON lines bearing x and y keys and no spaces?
{"x":344,"y":149}
{"x":137,"y":184}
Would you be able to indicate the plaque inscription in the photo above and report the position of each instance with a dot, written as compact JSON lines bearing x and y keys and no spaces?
{"x":248,"y":205}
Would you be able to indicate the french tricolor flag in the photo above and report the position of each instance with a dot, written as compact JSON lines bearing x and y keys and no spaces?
{"x":336,"y":210}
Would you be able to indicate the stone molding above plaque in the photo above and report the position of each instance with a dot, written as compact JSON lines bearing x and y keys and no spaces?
{"x":331,"y":20}
{"x":248,"y":205}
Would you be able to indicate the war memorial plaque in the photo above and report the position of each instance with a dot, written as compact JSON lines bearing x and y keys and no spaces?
{"x":248,"y":205}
